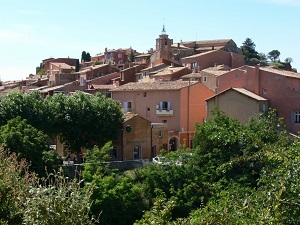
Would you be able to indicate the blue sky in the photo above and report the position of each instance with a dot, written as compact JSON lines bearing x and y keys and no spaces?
{"x":33,"y":30}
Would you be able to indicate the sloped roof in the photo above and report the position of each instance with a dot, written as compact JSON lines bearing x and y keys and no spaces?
{"x":192,"y":75}
{"x":242,"y":91}
{"x":157,"y":85}
{"x":169,"y":70}
{"x":62,"y":65}
{"x":281,"y":72}
{"x":198,"y":55}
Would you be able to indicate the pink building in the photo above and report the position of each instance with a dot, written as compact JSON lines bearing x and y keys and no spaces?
{"x":180,"y":104}
{"x":211,"y":58}
{"x":281,"y":88}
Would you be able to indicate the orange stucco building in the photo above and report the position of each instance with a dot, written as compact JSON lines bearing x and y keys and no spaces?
{"x":180,"y":104}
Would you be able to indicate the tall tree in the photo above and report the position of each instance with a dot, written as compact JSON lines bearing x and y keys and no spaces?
{"x":248,"y":49}
{"x":88,"y":57}
{"x":131,"y":56}
{"x":77,"y":66}
{"x":274,"y":55}
{"x":83,"y":56}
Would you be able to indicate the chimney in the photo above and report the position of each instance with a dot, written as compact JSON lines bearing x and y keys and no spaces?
{"x":178,"y":45}
{"x":117,"y":83}
{"x":105,"y":50}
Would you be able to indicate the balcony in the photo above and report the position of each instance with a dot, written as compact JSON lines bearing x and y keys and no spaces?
{"x":164,"y":112}
{"x":126,"y":110}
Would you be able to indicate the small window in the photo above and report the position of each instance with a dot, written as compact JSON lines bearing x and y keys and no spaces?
{"x":265,"y":91}
{"x":295,"y":117}
{"x":137,"y":151}
{"x":145,"y":94}
{"x":205,"y":79}
{"x":120,"y":55}
{"x":165,"y":121}
{"x":160,"y":133}
{"x":148,"y":109}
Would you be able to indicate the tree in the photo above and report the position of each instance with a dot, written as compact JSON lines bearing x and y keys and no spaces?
{"x":83,"y":56}
{"x":77,"y":66}
{"x":82,"y":120}
{"x":263,"y":59}
{"x":273,"y":55}
{"x":88,"y":57}
{"x":248,"y":49}
{"x":25,"y":140}
{"x":131,"y":56}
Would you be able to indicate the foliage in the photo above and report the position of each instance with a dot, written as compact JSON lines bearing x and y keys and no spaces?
{"x":116,"y":197}
{"x":58,"y":200}
{"x":83,"y":120}
{"x":85,"y":56}
{"x":97,"y":63}
{"x":248,"y":50}
{"x":160,"y":213}
{"x":274,"y":55}
{"x":131,"y":56}
{"x":42,"y":71}
{"x":25,"y":199}
{"x":77,"y":66}
{"x":14,"y":187}
{"x":80,"y":120}
{"x":26,"y":141}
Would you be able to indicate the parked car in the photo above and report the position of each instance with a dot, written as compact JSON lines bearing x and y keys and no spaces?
{"x":160,"y":160}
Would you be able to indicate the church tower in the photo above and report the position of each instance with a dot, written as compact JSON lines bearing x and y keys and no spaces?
{"x":163,"y":45}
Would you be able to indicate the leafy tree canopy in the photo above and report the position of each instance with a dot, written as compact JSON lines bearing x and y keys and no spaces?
{"x":274,"y":55}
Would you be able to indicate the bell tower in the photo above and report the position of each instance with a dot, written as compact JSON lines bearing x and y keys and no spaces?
{"x":163,"y":45}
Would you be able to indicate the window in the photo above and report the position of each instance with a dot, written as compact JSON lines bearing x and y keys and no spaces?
{"x":165,"y":105}
{"x":148,"y":109}
{"x":127,"y":106}
{"x":165,"y":121}
{"x":265,"y":91}
{"x":137,"y":151}
{"x":145,"y":94}
{"x":194,"y":64}
{"x":295,"y":117}
{"x":120,"y":55}
{"x":160,"y":133}
{"x":204,"y":78}
{"x":114,"y":152}
{"x":264,"y":108}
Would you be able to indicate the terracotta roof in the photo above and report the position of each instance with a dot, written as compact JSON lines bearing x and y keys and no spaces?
{"x":281,"y":72}
{"x":209,"y":48}
{"x":192,"y":75}
{"x":200,"y":54}
{"x":103,"y":86}
{"x":128,"y":116}
{"x":169,"y":70}
{"x":157,"y":85}
{"x":216,"y":70}
{"x":63,"y":65}
{"x":142,"y":55}
{"x":249,"y":94}
{"x":218,"y":42}
{"x":242,"y":91}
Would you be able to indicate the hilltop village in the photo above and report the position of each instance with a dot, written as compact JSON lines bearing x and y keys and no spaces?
{"x":166,"y":91}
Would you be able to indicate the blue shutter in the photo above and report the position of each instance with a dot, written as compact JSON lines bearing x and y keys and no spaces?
{"x":292,"y":117}
{"x":160,"y":105}
{"x":125,"y":105}
{"x":169,"y":105}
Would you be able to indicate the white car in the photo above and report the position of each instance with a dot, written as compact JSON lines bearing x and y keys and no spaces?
{"x":160,"y":160}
